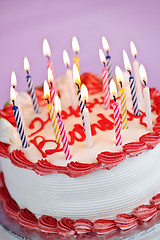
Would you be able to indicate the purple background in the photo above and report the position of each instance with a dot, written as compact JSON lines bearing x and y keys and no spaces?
{"x":24,"y":25}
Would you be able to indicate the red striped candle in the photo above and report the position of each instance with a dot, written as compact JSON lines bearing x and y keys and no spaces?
{"x":113,"y":91}
{"x":105,"y":88}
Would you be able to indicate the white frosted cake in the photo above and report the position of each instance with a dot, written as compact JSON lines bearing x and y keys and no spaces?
{"x":101,"y":188}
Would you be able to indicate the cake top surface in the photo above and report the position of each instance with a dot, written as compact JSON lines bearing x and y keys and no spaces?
{"x":48,"y":154}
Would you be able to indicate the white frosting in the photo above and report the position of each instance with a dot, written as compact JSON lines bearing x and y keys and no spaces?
{"x":7,"y":132}
{"x":100,"y":194}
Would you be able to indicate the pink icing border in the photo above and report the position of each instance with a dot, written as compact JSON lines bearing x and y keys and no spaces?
{"x":68,"y":227}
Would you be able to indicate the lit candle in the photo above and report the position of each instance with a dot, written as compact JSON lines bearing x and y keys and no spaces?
{"x":47,"y":53}
{"x":13,"y":79}
{"x":84,"y":92}
{"x":18,"y":119}
{"x":136,"y":72}
{"x":62,"y":129}
{"x":75,"y":47}
{"x":52,"y":88}
{"x":131,"y":82}
{"x":30,"y":86}
{"x":120,"y":80}
{"x":52,"y":112}
{"x":113,"y":91}
{"x":143,"y":76}
{"x":105,"y":80}
{"x":69,"y":75}
{"x":108,"y":58}
{"x":77,"y":81}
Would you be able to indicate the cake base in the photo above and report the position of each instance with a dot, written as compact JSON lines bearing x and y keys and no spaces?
{"x":148,"y":229}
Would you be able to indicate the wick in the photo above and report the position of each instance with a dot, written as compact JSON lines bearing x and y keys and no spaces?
{"x":85,"y":102}
{"x":107,"y":52}
{"x":13,"y":101}
{"x":48,"y":57}
{"x":51,"y":85}
{"x":104,"y":64}
{"x":120,"y":84}
{"x":114,"y":98}
{"x":145,"y":84}
{"x":14,"y":86}
{"x":129,"y":72}
{"x":77,"y":53}
{"x":27,"y":72}
{"x":67,"y":65}
{"x":58,"y":114}
{"x":47,"y":100}
{"x":77,"y":85}
{"x":135,"y":56}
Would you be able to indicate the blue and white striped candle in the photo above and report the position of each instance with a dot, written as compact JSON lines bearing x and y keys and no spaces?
{"x":18,"y":119}
{"x":31,"y":87}
{"x":77,"y":82}
{"x":131,"y":83}
{"x":108,"y":58}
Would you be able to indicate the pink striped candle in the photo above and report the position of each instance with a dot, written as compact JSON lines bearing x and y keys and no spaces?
{"x":105,"y":80}
{"x":105,"y":88}
{"x":117,"y":124}
{"x":62,"y":129}
{"x":113,"y":91}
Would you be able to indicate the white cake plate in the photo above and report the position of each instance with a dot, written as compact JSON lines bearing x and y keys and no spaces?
{"x":148,"y":230}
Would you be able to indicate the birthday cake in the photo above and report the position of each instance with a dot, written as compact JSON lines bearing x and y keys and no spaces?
{"x":102,"y":188}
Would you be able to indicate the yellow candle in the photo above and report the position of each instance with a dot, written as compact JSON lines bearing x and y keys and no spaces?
{"x":52,"y":113}
{"x":123,"y":108}
{"x":53,"y":119}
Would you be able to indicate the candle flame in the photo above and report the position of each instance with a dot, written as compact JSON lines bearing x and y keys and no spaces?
{"x":76,"y":76}
{"x":66,"y":59}
{"x":105,"y":44}
{"x":119,"y":74}
{"x":126,"y":61}
{"x":12,"y":94}
{"x":46,"y":48}
{"x":143,"y":74}
{"x":13,"y":79}
{"x":75,"y":45}
{"x":84,"y":92}
{"x":133,"y":49}
{"x":50,"y":75}
{"x":46,"y":90}
{"x":113,"y":88}
{"x":102,"y":56}
{"x":26,"y":64}
{"x":57,"y":104}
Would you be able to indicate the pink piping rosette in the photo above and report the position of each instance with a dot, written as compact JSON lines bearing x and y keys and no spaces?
{"x":156,"y":201}
{"x":4,"y":194}
{"x":18,"y":159}
{"x":125,"y":221}
{"x":134,"y":148}
{"x":83,"y":226}
{"x":11,"y":207}
{"x":27,"y":218}
{"x":76,"y":169}
{"x":4,"y":152}
{"x":150,"y":139}
{"x":47,"y":224}
{"x":103,"y":226}
{"x":110,"y":159}
{"x":145,"y":212}
{"x":65,"y":227}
